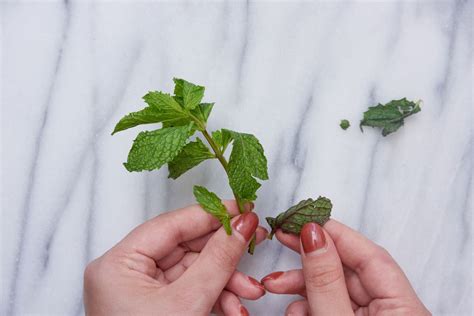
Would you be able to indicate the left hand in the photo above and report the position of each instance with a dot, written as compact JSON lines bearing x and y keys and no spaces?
{"x":178,"y":263}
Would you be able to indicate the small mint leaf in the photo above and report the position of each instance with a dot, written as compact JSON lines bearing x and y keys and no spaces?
{"x":190,"y":156}
{"x":212,"y":204}
{"x":146,"y":116}
{"x":202,"y":111}
{"x":223,"y":138}
{"x":188,"y":93}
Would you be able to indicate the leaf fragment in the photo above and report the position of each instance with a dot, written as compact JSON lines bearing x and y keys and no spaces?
{"x":212,"y":204}
{"x":306,"y":211}
{"x":391,"y":116}
{"x":190,"y":156}
{"x":344,"y":124}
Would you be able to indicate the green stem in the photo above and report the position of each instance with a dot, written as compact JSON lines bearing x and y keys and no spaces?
{"x":220,"y":156}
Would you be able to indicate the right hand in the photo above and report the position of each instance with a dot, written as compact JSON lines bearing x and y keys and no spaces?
{"x":343,"y":273}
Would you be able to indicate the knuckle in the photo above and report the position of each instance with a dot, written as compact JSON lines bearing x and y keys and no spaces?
{"x":91,"y":272}
{"x":323,"y":277}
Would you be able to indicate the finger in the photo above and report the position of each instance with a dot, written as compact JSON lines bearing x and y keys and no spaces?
{"x":298,"y":308}
{"x":196,"y":245}
{"x":288,"y":282}
{"x":357,"y":292}
{"x":241,"y":284}
{"x":323,"y":273}
{"x":229,"y":304}
{"x":373,"y":264}
{"x":159,"y":236}
{"x":245,"y":286}
{"x":290,"y":240}
{"x":218,"y":259}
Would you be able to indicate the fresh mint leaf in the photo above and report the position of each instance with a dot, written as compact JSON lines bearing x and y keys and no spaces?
{"x":190,"y":156}
{"x":188,"y":93}
{"x":247,"y":160}
{"x":146,"y":116}
{"x":202,"y":111}
{"x":223,"y":138}
{"x":151,"y":150}
{"x":212,"y":204}
{"x":306,"y":211}
{"x":163,"y":101}
{"x":345,"y":124}
{"x":390,"y":117}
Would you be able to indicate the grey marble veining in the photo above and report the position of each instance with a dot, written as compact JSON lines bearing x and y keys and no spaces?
{"x":287,"y":72}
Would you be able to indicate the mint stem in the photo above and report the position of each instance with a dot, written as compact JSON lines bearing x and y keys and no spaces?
{"x":220,"y":156}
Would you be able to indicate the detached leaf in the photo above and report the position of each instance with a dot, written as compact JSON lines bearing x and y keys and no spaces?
{"x":188,"y":93}
{"x":345,"y":124}
{"x":390,"y":117}
{"x":246,"y":161}
{"x":212,"y":204}
{"x":151,"y":150}
{"x":295,"y":217}
{"x":223,"y":138}
{"x":192,"y":155}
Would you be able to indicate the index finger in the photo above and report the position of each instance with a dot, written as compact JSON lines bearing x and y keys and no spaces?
{"x":159,"y":236}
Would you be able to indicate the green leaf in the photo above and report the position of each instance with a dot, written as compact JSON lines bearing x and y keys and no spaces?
{"x":202,"y":111}
{"x":390,"y":117}
{"x":212,"y":204}
{"x":188,"y":93}
{"x":222,"y":138}
{"x":345,"y":124}
{"x":192,"y":155}
{"x":162,"y":101}
{"x":295,"y":217}
{"x":146,"y":116}
{"x":246,"y":161}
{"x":151,"y":150}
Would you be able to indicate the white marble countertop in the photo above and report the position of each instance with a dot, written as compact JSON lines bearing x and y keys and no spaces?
{"x":284,"y":71}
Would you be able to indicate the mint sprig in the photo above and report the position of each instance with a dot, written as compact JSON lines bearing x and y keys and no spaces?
{"x":181,"y":115}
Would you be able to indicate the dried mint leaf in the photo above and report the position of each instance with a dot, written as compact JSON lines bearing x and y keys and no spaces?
{"x":390,"y":117}
{"x":295,"y":217}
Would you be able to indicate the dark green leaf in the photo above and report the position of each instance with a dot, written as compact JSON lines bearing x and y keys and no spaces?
{"x":151,"y":150}
{"x":188,"y":93}
{"x":345,"y":124}
{"x":212,"y":204}
{"x":295,"y":217}
{"x":390,"y":117}
{"x":192,"y":155}
{"x":246,"y":161}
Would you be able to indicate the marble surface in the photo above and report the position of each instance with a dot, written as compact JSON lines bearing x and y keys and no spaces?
{"x":285,"y":71}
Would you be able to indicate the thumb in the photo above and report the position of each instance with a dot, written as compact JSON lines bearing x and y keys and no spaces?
{"x":323,"y":273}
{"x":218,"y":259}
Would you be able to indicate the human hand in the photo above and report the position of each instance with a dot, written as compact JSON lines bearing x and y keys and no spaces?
{"x":178,"y":263}
{"x":343,"y":273}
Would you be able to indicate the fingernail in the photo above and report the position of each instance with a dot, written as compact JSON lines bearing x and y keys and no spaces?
{"x":256,"y":283}
{"x":312,"y":238}
{"x":272,"y":276}
{"x":243,"y":311}
{"x":246,"y":225}
{"x":249,"y":206}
